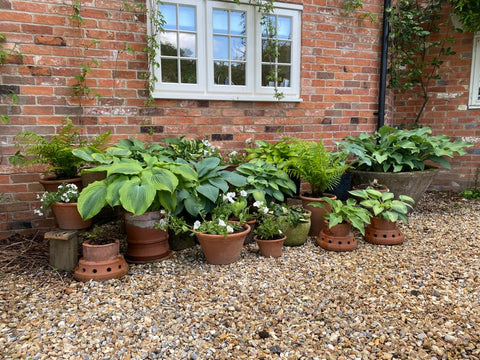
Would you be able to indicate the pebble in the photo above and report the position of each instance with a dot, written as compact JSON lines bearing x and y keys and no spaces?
{"x":418,"y":300}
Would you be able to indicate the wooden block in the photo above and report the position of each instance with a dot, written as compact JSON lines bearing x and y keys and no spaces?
{"x":63,"y":249}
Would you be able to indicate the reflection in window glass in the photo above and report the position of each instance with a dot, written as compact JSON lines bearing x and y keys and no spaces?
{"x":220,"y":21}
{"x":238,"y":49}
{"x":284,"y":29}
{"x":186,"y":18}
{"x":188,"y":71}
{"x":238,"y":73}
{"x":187,"y":45}
{"x":169,"y":70}
{"x":220,"y":73}
{"x":169,"y":12}
{"x":220,"y":47}
{"x":168,"y":43}
{"x":237,"y":23}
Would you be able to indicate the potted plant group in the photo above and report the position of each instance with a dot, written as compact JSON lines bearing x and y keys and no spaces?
{"x":400,"y":158}
{"x":385,"y":210}
{"x":101,"y":257}
{"x":322,"y":170}
{"x":270,"y":231}
{"x":63,"y":203}
{"x":337,"y":235}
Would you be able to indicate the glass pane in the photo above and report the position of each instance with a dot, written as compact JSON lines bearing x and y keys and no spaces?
{"x":169,"y":12}
{"x":267,"y":75}
{"x":169,"y":70}
{"x":220,"y":47}
{"x":238,"y":74}
{"x":284,"y":76}
{"x":186,"y":18}
{"x":168,"y":43}
{"x":220,"y":71}
{"x":188,"y":69}
{"x":284,"y":29}
{"x":237,"y":23}
{"x":220,"y":21}
{"x":284,"y":52}
{"x":268,"y":51}
{"x":269,"y":21}
{"x":187,"y":45}
{"x":238,"y":49}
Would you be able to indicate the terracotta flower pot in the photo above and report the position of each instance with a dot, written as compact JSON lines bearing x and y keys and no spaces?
{"x":317,"y":212}
{"x":297,"y":235}
{"x":222,"y":250}
{"x":270,"y":248}
{"x":337,"y":238}
{"x":68,"y":217}
{"x":100,"y":262}
{"x":145,"y":243}
{"x":50,"y":183}
{"x":383,"y":232}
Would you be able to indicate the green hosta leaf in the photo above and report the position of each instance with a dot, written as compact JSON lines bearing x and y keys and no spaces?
{"x":406,"y":198}
{"x":277,"y":194}
{"x":193,"y":206}
{"x":259,"y":195}
{"x":117,"y":151}
{"x":376,"y":209}
{"x":115,"y":182}
{"x":185,"y":171}
{"x":167,"y":199}
{"x":358,"y":224}
{"x":234,"y":178}
{"x":209,"y":191}
{"x":164,"y":179}
{"x":399,"y":207}
{"x":92,"y":199}
{"x":124,"y":166}
{"x":440,"y":160}
{"x":333,"y":219}
{"x":387,"y":195}
{"x":390,"y":216}
{"x":207,"y":165}
{"x":219,"y":183}
{"x":136,"y":196}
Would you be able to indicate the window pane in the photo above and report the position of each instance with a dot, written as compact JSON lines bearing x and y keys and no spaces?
{"x":284,"y":52}
{"x":168,"y":44}
{"x":268,"y":51}
{"x":220,"y":70}
{"x":188,"y":69}
{"x":269,"y":21}
{"x":267,"y":75}
{"x":238,"y":74}
{"x":169,"y":70}
{"x":284,"y":29}
{"x":169,"y":13}
{"x":220,"y":21}
{"x":187,"y":45}
{"x":284,"y":76}
{"x":220,"y":47}
{"x":237,"y":23}
{"x":186,"y":18}
{"x":238,"y":49}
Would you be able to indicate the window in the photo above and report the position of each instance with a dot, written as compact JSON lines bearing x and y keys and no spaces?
{"x":474,"y":100}
{"x":217,"y":50}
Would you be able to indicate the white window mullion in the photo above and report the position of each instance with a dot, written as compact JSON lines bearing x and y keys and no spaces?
{"x":474,"y":98}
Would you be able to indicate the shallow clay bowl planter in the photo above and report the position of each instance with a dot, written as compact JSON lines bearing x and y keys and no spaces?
{"x":271,"y":247}
{"x":100,"y":262}
{"x":338,"y":238}
{"x":383,"y":232}
{"x":220,"y":249}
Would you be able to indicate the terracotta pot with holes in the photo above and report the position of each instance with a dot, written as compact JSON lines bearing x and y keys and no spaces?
{"x":338,"y":238}
{"x":383,"y":232}
{"x":100,"y":262}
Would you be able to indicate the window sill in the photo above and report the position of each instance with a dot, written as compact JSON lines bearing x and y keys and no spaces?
{"x":226,"y":97}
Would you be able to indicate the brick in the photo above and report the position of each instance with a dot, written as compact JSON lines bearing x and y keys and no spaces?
{"x":50,"y":40}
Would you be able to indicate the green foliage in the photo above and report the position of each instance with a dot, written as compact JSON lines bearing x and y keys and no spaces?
{"x":191,"y":150}
{"x":280,"y":153}
{"x":319,"y":167}
{"x":340,"y":212}
{"x":80,"y":88}
{"x":5,"y":53}
{"x":384,"y":205}
{"x":66,"y":193}
{"x":54,"y":151}
{"x":468,"y":12}
{"x":266,"y":182}
{"x":76,"y":16}
{"x":269,"y":227}
{"x":473,"y":193}
{"x":396,"y":150}
{"x":294,"y":214}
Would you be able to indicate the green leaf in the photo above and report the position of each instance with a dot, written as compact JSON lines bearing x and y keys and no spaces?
{"x":115,"y":182}
{"x":209,"y":191}
{"x":219,"y":183}
{"x":124,"y":166}
{"x":234,"y":178}
{"x":92,"y":199}
{"x":137,"y":196}
{"x":164,"y":179}
{"x":207,"y":165}
{"x":167,"y":199}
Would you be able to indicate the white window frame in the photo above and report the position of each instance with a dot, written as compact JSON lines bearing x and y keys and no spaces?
{"x":205,"y":89}
{"x":474,"y":101}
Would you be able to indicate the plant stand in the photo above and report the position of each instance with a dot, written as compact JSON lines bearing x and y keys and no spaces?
{"x":338,"y":238}
{"x":383,"y":232}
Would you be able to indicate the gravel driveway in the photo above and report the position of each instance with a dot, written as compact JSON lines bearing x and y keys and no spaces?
{"x":419,"y":300}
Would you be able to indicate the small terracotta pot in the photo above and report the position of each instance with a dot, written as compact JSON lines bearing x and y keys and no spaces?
{"x":50,"y":183}
{"x":100,"y":262}
{"x":317,"y":218}
{"x":68,"y":217}
{"x":222,"y":250}
{"x":383,"y":232}
{"x":270,"y":248}
{"x":337,"y":238}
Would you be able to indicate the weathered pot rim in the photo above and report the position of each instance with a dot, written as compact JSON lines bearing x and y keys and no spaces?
{"x":87,"y":244}
{"x":217,"y":236}
{"x":426,"y":170}
{"x":270,"y":240}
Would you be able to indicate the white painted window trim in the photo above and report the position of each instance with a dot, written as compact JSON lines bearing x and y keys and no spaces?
{"x":473,"y":100}
{"x":253,"y":91}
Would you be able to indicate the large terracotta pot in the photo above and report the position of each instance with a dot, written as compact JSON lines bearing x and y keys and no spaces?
{"x":317,"y":218}
{"x":222,"y":250}
{"x":383,"y":232}
{"x":100,"y":262}
{"x":145,"y":243}
{"x":297,"y":235}
{"x":50,"y":183}
{"x":68,"y":217}
{"x":270,"y":248}
{"x":337,"y":238}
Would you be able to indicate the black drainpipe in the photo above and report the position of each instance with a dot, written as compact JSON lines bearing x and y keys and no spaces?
{"x":383,"y":67}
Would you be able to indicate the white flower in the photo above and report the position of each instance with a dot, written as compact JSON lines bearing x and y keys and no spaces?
{"x":233,"y":153}
{"x":257,"y":204}
{"x":162,"y":222}
{"x":38,"y":212}
{"x":163,"y":212}
{"x":248,"y":141}
{"x":280,"y":232}
{"x":265,"y":210}
{"x":229,"y":229}
{"x":206,"y":142}
{"x":221,"y":222}
{"x":243,"y":193}
{"x":196,"y":225}
{"x":230,"y":197}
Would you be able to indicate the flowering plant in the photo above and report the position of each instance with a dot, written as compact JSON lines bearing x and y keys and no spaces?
{"x":269,"y":224}
{"x":235,"y":158}
{"x":66,"y":193}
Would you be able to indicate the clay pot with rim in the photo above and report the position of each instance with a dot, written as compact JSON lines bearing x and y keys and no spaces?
{"x":317,"y":220}
{"x":145,"y":243}
{"x":220,"y":249}
{"x":50,"y":183}
{"x":383,"y":232}
{"x":271,"y":247}
{"x":68,"y":217}
{"x":337,"y":238}
{"x":100,"y":262}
